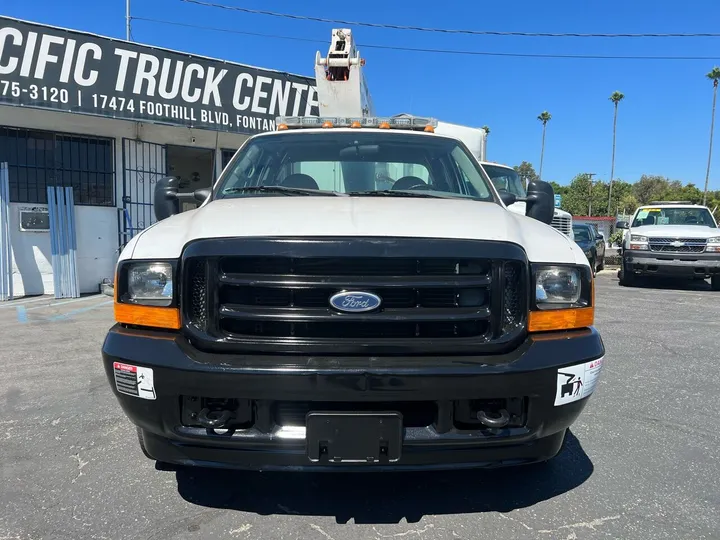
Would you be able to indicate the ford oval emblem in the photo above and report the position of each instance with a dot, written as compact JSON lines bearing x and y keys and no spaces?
{"x":355,"y":301}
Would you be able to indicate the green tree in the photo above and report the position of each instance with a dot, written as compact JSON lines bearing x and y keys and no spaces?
{"x":487,"y":129}
{"x":616,"y":98}
{"x":544,"y":117}
{"x":650,"y":188}
{"x":623,"y":198}
{"x":526,"y":171}
{"x":714,"y":76}
{"x":577,"y":196}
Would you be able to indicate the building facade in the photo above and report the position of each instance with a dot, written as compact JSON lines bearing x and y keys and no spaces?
{"x":109,"y":118}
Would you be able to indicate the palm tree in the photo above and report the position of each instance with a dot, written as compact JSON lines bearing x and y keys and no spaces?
{"x":616,"y":98}
{"x":544,"y":117}
{"x":714,"y":76}
{"x":487,"y":129}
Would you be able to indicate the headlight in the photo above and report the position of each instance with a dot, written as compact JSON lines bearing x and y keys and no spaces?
{"x":713,"y":245}
{"x":639,"y":242}
{"x":714,"y":240}
{"x":557,"y":285}
{"x":563,"y":298}
{"x":149,"y":284}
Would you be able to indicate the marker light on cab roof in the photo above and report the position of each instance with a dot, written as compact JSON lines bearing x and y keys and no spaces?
{"x":411,"y":123}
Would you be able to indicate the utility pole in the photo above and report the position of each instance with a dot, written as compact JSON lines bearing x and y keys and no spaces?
{"x":590,"y":194}
{"x":127,"y":20}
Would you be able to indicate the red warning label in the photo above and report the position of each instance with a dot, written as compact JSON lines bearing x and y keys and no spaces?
{"x":134,"y":380}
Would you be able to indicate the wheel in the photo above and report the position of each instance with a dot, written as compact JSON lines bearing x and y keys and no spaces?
{"x":715,"y":283}
{"x":627,"y":279}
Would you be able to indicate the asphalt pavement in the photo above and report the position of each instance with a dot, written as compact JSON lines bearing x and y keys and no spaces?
{"x":642,"y":462}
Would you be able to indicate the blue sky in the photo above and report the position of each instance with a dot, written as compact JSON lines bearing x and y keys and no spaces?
{"x":664,"y":122}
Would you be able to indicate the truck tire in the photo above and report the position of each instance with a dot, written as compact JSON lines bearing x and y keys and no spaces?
{"x":715,"y":283}
{"x":627,"y":279}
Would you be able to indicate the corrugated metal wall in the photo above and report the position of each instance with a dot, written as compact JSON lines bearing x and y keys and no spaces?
{"x":6,"y":281}
{"x":63,"y":242}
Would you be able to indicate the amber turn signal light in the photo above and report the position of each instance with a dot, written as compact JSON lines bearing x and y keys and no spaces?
{"x":149,"y":316}
{"x":560,"y":319}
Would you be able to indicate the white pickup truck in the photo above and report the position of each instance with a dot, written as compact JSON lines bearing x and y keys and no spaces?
{"x":507,"y":179}
{"x":306,"y":318}
{"x":672,"y":239}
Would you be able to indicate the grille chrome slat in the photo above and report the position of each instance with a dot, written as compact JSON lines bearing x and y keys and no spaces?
{"x":347,"y":282}
{"x":299,"y":315}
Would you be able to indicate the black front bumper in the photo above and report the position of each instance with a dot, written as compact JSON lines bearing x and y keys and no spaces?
{"x":672,"y":264}
{"x":529,"y":373}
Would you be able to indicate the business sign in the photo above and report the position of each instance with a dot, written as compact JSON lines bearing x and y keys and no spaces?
{"x":53,"y":68}
{"x":558,"y":200}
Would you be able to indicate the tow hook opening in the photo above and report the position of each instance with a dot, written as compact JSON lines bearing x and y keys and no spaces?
{"x":495,"y":419}
{"x":213,"y":419}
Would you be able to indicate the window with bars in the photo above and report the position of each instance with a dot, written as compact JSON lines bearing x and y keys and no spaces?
{"x":38,"y":159}
{"x":227,"y":155}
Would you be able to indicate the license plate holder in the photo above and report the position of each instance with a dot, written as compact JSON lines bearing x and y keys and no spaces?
{"x":354,"y":437}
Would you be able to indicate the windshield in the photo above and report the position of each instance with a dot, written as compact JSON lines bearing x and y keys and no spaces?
{"x":506,"y":179}
{"x":353,"y":163}
{"x":581,"y":234}
{"x":674,"y":216}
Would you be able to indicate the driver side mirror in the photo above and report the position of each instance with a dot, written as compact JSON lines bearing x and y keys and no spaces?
{"x":166,"y":202}
{"x":506,"y":197}
{"x":540,"y":201}
{"x":622,"y":225}
{"x":167,"y":199}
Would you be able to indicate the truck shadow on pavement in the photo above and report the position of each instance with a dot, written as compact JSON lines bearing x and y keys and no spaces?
{"x":387,"y":498}
{"x":669,"y":283}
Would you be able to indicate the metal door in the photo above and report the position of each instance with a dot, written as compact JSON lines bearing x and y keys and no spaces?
{"x":144,"y":164}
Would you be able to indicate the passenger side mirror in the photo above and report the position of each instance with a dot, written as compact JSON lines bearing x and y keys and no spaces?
{"x":506,"y":197}
{"x":622,"y":225}
{"x":540,"y":201}
{"x":166,"y":201}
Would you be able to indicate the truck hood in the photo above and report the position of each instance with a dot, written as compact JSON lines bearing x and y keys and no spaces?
{"x":304,"y":216}
{"x":673,"y":231}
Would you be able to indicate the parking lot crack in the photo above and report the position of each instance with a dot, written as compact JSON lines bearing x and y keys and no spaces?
{"x":80,"y":465}
{"x":582,"y":525}
{"x":419,"y":532}
{"x":318,"y":529}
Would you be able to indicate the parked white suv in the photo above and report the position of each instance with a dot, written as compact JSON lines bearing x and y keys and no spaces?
{"x":671,"y":239}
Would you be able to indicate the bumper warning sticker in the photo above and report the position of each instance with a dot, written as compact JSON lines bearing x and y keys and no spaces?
{"x":134,"y":380}
{"x":577,"y":382}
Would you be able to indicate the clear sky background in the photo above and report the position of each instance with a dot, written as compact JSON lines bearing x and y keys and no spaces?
{"x":664,"y":121}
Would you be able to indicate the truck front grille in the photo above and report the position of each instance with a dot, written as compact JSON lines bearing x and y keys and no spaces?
{"x":689,"y":245}
{"x":283,"y":300}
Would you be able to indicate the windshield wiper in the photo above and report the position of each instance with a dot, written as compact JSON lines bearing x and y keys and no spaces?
{"x":282,"y":189}
{"x":402,"y":193}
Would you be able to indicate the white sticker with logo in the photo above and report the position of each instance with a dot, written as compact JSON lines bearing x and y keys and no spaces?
{"x":577,"y":382}
{"x":134,"y":380}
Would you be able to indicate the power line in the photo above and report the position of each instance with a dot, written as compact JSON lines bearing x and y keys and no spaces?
{"x":441,"y":30}
{"x":437,"y":51}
